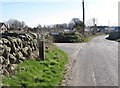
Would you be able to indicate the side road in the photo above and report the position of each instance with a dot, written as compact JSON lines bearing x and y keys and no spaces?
{"x":92,"y":64}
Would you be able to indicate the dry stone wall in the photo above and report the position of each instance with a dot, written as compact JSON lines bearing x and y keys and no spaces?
{"x":15,"y":48}
{"x":114,"y":35}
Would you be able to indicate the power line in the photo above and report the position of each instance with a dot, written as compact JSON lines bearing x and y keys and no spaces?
{"x":88,"y":9}
{"x":90,"y":20}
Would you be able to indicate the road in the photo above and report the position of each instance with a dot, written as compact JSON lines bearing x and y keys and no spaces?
{"x":96,"y":62}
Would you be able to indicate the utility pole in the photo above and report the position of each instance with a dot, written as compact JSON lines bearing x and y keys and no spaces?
{"x":94,"y":22}
{"x":83,"y":17}
{"x":95,"y":26}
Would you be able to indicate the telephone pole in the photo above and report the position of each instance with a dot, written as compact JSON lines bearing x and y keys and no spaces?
{"x":83,"y":16}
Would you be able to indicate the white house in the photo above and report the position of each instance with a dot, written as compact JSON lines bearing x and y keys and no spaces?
{"x":3,"y":28}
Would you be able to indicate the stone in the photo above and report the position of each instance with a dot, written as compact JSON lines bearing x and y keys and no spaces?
{"x":34,"y":35}
{"x":35,"y":41}
{"x":29,"y":51}
{"x":13,"y":66}
{"x":2,"y":59}
{"x":29,"y":37}
{"x":6,"y":62}
{"x":5,"y":40}
{"x":29,"y":48}
{"x":20,"y":61}
{"x":23,"y":37}
{"x":6,"y":51}
{"x":15,"y":42}
{"x":12,"y":59}
{"x":12,"y":69}
{"x":31,"y":44}
{"x":14,"y":54}
{"x":13,"y":48}
{"x":0,"y":66}
{"x":8,"y":67}
{"x":5,"y":72}
{"x":28,"y":42}
{"x":19,"y":41}
{"x":1,"y":70}
{"x":24,"y":52}
{"x":19,"y":55}
{"x":7,"y":48}
{"x":1,"y":42}
{"x":1,"y":50}
{"x":23,"y":58}
{"x":35,"y":44}
{"x":24,"y":44}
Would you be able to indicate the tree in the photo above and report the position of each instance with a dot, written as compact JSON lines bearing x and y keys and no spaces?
{"x":71,"y":25}
{"x":23,"y":25}
{"x":64,"y":25}
{"x":76,"y":23}
{"x":39,"y":26}
{"x":15,"y":24}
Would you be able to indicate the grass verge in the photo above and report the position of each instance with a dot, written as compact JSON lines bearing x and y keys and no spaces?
{"x":118,"y":40}
{"x":89,"y":38}
{"x":49,"y":72}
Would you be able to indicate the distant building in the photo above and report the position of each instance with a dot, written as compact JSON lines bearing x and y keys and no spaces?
{"x":69,"y":30}
{"x":54,"y":33}
{"x":3,"y":28}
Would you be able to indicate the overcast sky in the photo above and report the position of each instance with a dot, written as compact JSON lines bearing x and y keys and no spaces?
{"x":46,"y":12}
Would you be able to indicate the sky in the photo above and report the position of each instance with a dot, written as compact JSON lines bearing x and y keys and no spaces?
{"x":48,"y":12}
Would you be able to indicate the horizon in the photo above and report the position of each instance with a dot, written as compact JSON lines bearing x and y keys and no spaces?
{"x":58,"y":12}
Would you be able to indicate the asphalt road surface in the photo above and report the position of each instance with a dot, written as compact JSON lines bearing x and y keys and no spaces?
{"x":96,"y":62}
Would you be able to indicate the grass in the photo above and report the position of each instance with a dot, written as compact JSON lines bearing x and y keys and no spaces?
{"x":118,"y":40}
{"x":90,"y":37}
{"x":39,"y":73}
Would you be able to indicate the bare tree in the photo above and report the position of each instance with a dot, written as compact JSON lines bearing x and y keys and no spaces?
{"x":39,"y":26}
{"x":15,"y":24}
{"x":23,"y":25}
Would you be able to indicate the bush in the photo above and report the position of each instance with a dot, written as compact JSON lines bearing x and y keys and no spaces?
{"x":69,"y":38}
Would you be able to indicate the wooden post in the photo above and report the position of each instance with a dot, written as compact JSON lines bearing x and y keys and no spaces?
{"x":41,"y":50}
{"x":40,"y":46}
